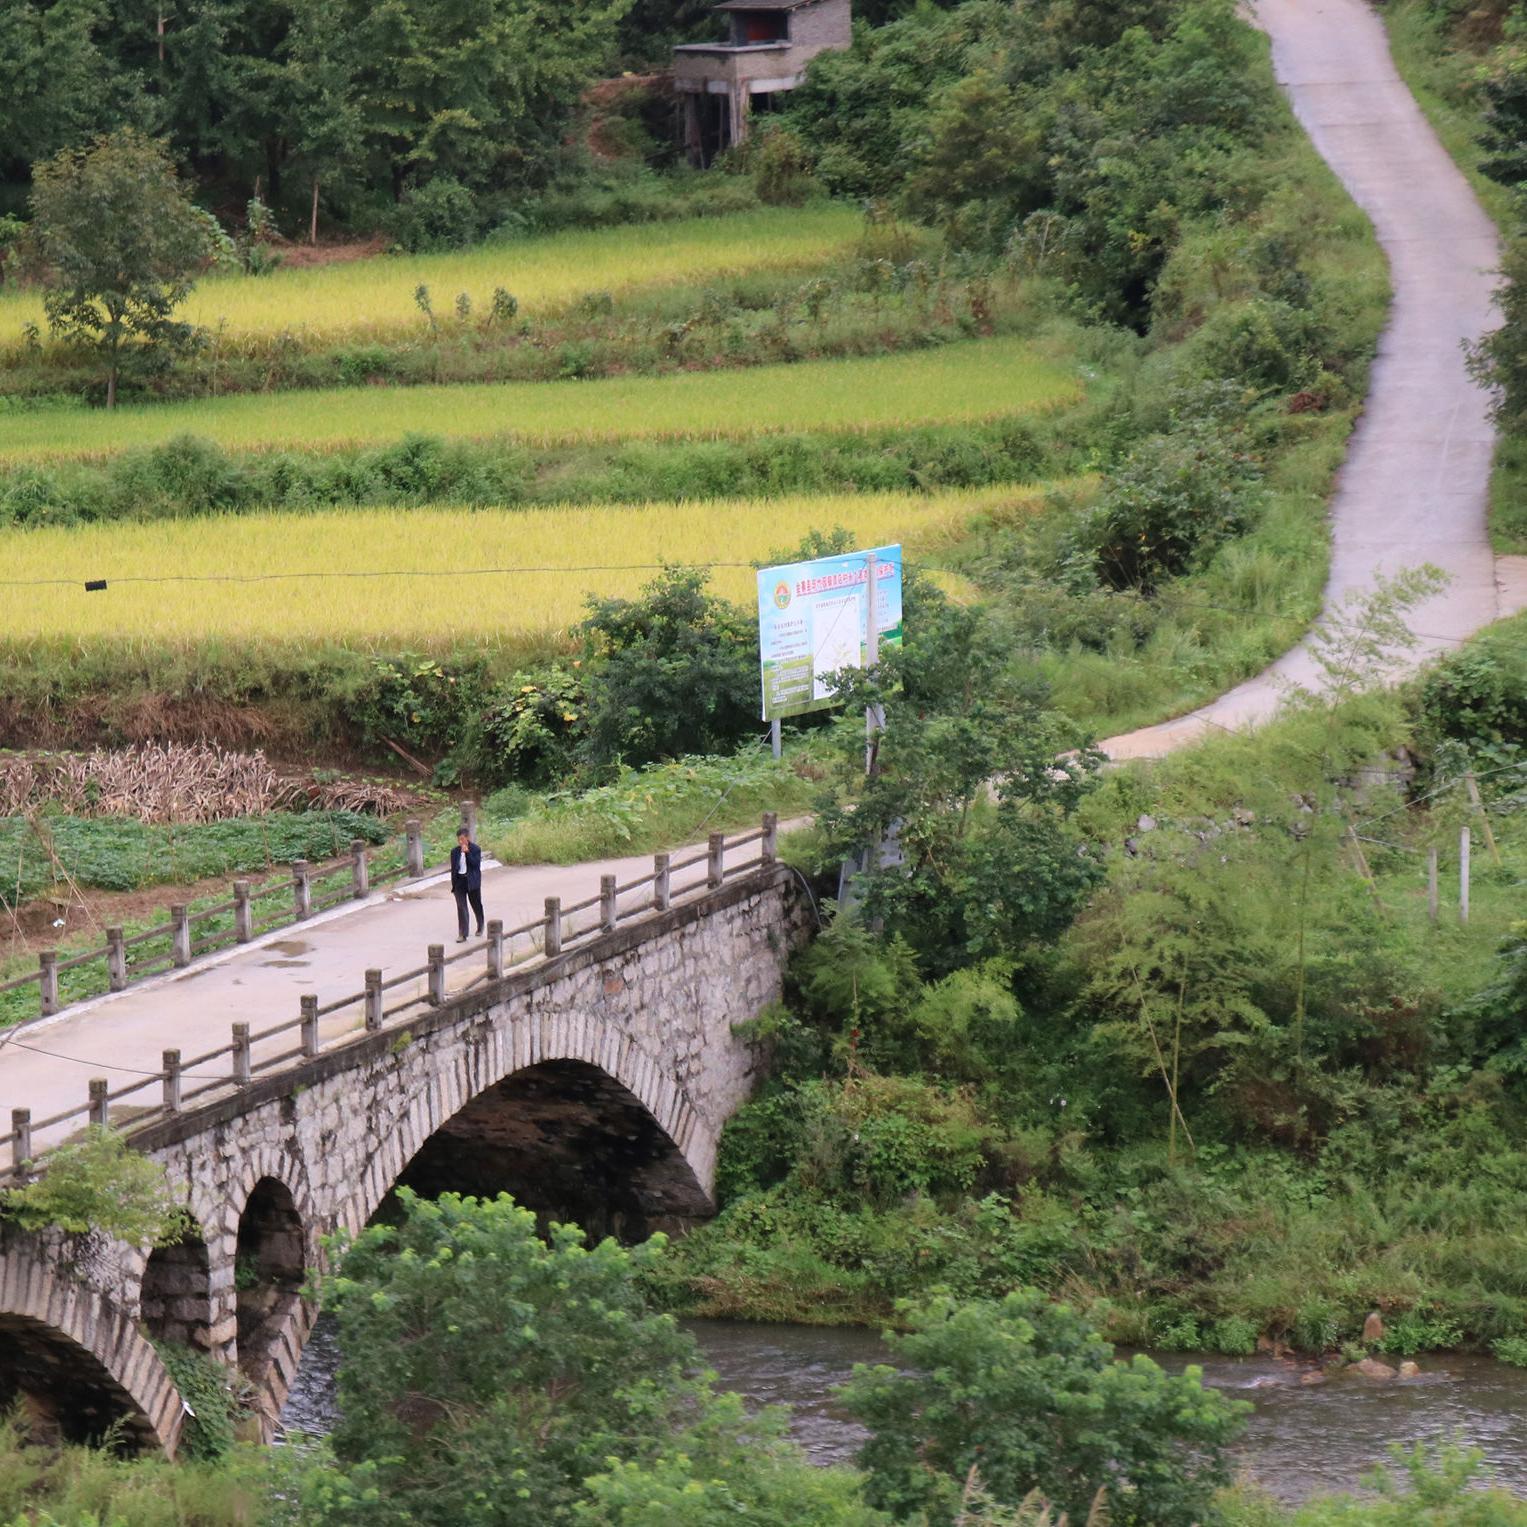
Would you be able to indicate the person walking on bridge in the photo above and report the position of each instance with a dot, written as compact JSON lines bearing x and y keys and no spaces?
{"x":466,"y":881}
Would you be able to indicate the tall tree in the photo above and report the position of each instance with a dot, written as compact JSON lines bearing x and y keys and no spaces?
{"x":120,"y":243}
{"x":480,"y":90}
{"x":58,"y":80}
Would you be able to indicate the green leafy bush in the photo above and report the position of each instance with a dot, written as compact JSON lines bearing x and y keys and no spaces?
{"x":1175,"y":499}
{"x":1478,"y":695}
{"x":96,"y":1183}
{"x":1025,"y":1391}
{"x":672,"y":672}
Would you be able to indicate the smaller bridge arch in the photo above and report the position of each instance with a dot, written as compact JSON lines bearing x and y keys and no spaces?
{"x":79,"y":1357}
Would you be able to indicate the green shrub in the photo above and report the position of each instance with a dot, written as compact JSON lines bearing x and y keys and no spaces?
{"x":440,"y":214}
{"x":203,"y":1383}
{"x":1176,"y":498}
{"x":672,"y":672}
{"x":1027,"y":1392}
{"x":1478,"y":695}
{"x":781,"y":168}
{"x":95,"y":1183}
{"x":1511,"y":1349}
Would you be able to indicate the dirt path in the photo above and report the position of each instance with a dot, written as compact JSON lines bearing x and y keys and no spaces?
{"x":1415,"y":484}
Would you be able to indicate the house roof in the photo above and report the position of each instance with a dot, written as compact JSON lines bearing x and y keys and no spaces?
{"x":763,"y":5}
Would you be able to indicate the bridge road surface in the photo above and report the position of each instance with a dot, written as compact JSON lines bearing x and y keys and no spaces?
{"x":1414,"y":488}
{"x":46,"y":1065}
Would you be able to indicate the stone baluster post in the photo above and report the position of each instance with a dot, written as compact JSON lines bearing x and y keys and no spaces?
{"x":309,"y":1029}
{"x":436,"y":974}
{"x":609,"y":903}
{"x":100,"y":1109}
{"x":171,"y":1061}
{"x":495,"y":949}
{"x":47,"y":981}
{"x":242,"y":1068}
{"x":715,"y":868}
{"x":662,"y":883}
{"x":302,"y":888}
{"x":374,"y":997}
{"x":116,"y":960}
{"x":243,"y":913}
{"x":415,"y":847}
{"x":552,"y":944}
{"x":360,"y":869}
{"x":180,"y":937}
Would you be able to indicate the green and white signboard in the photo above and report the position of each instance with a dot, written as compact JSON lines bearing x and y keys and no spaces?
{"x":812,"y":623}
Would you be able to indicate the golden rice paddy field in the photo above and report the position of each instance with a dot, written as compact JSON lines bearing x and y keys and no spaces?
{"x":424,"y":576}
{"x":975,"y":380}
{"x":376,"y":296}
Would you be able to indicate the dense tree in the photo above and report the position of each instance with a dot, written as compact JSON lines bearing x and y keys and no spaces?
{"x":1504,"y":90}
{"x":1027,"y":1396}
{"x":58,"y":82}
{"x":492,"y":1376}
{"x":673,"y":672}
{"x":120,"y":243}
{"x":955,"y":724}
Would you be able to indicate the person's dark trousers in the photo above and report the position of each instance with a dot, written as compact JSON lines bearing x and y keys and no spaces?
{"x":463,"y":899}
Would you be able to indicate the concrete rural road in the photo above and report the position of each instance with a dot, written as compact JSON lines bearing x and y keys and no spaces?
{"x":46,"y":1066}
{"x":1414,"y":486}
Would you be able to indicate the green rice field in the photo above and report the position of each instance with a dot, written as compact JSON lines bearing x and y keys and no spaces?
{"x":958,"y":383}
{"x":375,"y":296}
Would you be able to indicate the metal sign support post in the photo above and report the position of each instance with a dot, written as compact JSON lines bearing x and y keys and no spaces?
{"x":776,"y":743}
{"x":874,"y":717}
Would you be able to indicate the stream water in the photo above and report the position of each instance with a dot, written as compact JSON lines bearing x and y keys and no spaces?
{"x":1300,"y":1440}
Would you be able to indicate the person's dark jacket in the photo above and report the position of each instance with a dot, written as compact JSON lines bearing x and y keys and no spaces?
{"x":468,"y":876}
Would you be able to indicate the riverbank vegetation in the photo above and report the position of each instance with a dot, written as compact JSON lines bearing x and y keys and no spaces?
{"x":497,"y":1373}
{"x":1206,"y":1065}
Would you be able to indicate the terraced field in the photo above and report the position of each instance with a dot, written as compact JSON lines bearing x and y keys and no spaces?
{"x":371,"y":297}
{"x":423,"y":577}
{"x":956,"y":383}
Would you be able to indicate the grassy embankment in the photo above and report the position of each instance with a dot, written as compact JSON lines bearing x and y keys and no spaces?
{"x":1443,"y":73}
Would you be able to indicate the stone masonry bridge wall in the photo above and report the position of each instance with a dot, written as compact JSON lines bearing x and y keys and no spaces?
{"x":623,"y":1048}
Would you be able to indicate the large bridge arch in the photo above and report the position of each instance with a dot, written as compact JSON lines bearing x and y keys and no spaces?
{"x":570,"y":1142}
{"x":77,"y":1353}
{"x":491,"y":1061}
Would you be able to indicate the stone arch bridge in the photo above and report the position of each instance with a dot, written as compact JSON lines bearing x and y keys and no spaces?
{"x":591,"y":1079}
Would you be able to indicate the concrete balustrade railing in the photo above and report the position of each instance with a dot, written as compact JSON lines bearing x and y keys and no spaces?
{"x":385,"y":999}
{"x":306,"y":889}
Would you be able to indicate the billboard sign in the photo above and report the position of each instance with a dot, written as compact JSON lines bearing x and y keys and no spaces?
{"x":812,"y":622}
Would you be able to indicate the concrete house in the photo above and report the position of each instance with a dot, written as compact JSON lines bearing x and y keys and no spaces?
{"x":770,"y":44}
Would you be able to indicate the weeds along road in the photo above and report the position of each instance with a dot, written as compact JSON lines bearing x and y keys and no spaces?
{"x":1414,"y":487}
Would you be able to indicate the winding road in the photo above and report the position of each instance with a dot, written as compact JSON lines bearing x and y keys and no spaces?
{"x":1415,"y":485}
{"x":1413,"y":490}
